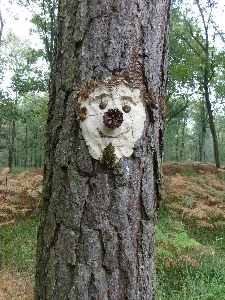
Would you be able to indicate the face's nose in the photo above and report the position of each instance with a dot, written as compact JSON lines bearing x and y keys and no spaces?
{"x":113,"y":118}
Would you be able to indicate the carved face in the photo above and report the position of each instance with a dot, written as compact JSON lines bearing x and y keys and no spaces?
{"x":114,"y":115}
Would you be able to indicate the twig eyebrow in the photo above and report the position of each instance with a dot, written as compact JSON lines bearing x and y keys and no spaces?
{"x":102,"y":95}
{"x":128,"y":98}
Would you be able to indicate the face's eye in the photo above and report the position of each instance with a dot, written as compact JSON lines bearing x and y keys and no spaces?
{"x":102,"y":105}
{"x":126,"y":108}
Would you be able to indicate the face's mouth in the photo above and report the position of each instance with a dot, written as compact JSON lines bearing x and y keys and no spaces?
{"x":102,"y":135}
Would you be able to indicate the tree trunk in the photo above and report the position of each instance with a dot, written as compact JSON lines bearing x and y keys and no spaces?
{"x":25,"y":148}
{"x":212,"y":128}
{"x":203,"y":133}
{"x":12,"y":134}
{"x":182,"y":140}
{"x":35,"y":149}
{"x":40,"y":158}
{"x":1,"y":27}
{"x":97,"y":232}
{"x":12,"y":141}
{"x":202,"y":142}
{"x":208,"y":75}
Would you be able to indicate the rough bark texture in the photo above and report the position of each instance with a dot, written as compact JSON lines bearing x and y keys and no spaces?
{"x":211,"y":124}
{"x":97,"y":231}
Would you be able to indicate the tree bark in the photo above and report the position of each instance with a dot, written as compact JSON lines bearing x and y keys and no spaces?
{"x":12,"y":140}
{"x":182,"y":140}
{"x":203,"y":132}
{"x":35,"y":149}
{"x":212,"y":127}
{"x":26,"y":148}
{"x":12,"y":135}
{"x":97,"y":232}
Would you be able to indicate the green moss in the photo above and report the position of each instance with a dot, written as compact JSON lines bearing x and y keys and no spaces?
{"x":108,"y":158}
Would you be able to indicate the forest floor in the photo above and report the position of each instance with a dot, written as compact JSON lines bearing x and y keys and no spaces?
{"x":193,"y":209}
{"x":20,"y":198}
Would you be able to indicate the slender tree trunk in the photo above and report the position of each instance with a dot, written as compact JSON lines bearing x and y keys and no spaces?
{"x":212,"y":128}
{"x":26,"y":148}
{"x":97,"y":232}
{"x":1,"y":130}
{"x":35,"y":149}
{"x":40,"y":159}
{"x":12,"y":145}
{"x":208,"y":75}
{"x":12,"y":141}
{"x":21,"y":158}
{"x":182,"y":140}
{"x":202,"y":142}
{"x":15,"y":157}
{"x":177,"y":146}
{"x":12,"y":134}
{"x":1,"y":27}
{"x":203,"y":133}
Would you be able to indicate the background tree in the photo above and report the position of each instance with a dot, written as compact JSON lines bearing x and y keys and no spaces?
{"x":27,"y":75}
{"x":44,"y":16}
{"x":30,"y":142}
{"x":1,"y":26}
{"x":208,"y":65}
{"x":30,"y":118}
{"x":96,"y":237}
{"x":194,"y":68}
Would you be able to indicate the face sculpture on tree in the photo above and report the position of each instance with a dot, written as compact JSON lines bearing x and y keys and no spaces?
{"x":112,"y":120}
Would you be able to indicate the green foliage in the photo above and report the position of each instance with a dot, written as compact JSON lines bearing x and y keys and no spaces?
{"x":23,"y":106}
{"x":194,"y":61}
{"x":24,"y":63}
{"x":17,"y":170}
{"x":18,"y":245}
{"x":44,"y":15}
{"x":7,"y":110}
{"x":30,"y":116}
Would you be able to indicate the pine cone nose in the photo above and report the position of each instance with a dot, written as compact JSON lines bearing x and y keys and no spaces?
{"x":113,"y":118}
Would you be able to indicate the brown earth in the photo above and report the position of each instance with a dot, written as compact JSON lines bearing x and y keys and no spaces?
{"x":14,"y":286}
{"x":194,"y":192}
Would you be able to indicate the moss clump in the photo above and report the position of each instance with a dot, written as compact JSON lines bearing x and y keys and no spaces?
{"x":108,"y":158}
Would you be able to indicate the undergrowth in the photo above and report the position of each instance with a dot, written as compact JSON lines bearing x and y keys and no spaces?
{"x":20,"y":196}
{"x":190,"y":241}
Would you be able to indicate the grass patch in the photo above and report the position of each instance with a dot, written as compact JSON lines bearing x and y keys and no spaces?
{"x":190,"y":261}
{"x":16,"y":170}
{"x":221,"y":176}
{"x":18,"y":245}
{"x":190,"y":242}
{"x":190,"y":172}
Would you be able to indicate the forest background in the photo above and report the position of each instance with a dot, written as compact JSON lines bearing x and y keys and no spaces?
{"x":195,"y":127}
